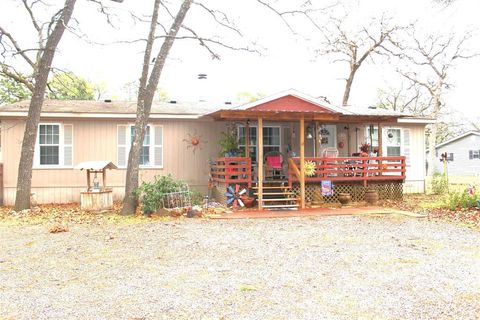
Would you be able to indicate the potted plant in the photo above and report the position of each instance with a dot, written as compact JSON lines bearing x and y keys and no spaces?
{"x":364,"y":149}
{"x":228,"y":145}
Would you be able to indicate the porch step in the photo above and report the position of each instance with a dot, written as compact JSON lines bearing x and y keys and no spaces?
{"x":281,"y":206}
{"x":275,"y":193}
{"x":279,"y":199}
{"x":272,"y":187}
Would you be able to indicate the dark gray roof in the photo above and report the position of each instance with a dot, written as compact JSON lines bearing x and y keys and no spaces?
{"x":177,"y":108}
{"x":119,"y":107}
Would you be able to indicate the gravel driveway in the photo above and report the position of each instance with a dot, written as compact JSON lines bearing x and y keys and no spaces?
{"x":300,"y":268}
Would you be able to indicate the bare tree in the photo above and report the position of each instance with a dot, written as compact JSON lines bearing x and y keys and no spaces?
{"x":432,"y":59}
{"x":355,"y":47}
{"x":39,"y":60}
{"x":150,"y":78}
{"x":409,"y":98}
{"x":147,"y":88}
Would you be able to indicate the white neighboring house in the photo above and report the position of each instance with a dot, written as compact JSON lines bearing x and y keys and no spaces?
{"x":463,"y":155}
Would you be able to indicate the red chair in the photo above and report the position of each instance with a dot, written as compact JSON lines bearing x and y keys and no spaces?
{"x":274,"y":165}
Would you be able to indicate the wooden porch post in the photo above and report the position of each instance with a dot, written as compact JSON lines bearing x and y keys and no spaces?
{"x":302,"y":163}
{"x":380,"y":149}
{"x":380,"y":142}
{"x":260,"y":162}
{"x":247,"y":139}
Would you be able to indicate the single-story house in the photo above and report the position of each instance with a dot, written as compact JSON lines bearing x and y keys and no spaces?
{"x":463,"y":155}
{"x":182,"y":140}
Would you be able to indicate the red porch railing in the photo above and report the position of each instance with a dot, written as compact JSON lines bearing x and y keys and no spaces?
{"x":350,"y":169}
{"x":232,"y":170}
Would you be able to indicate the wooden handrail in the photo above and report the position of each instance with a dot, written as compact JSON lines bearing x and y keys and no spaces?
{"x":292,"y":167}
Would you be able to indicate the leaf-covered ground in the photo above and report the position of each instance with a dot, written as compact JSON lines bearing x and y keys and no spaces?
{"x":344,"y":267}
{"x":434,"y":207}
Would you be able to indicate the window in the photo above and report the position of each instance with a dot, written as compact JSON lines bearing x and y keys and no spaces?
{"x":450,"y":157}
{"x":393,"y":142}
{"x":145,"y":152}
{"x":373,"y":138}
{"x":474,"y":154}
{"x":54,"y":145}
{"x":49,"y":141}
{"x":151,"y":154}
{"x":271,"y":140}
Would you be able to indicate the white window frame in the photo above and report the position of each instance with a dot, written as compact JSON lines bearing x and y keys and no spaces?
{"x":402,"y":143}
{"x":265,"y":145}
{"x":61,"y":147}
{"x":152,"y":145}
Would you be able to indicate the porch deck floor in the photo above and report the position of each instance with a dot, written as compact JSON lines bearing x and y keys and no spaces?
{"x":313,"y":212}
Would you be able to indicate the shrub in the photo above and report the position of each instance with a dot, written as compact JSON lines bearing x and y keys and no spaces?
{"x":461,"y":200}
{"x":152,"y":194}
{"x":197,"y":197}
{"x":439,"y":184}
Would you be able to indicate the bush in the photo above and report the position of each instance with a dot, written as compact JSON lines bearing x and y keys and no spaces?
{"x":461,"y":200}
{"x":197,"y":197}
{"x":439,"y":184}
{"x":152,"y":194}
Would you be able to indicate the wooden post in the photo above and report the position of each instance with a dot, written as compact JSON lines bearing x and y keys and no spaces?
{"x":318,"y":142}
{"x":302,"y":163}
{"x":260,"y":162}
{"x":104,"y":178}
{"x":247,"y":139}
{"x":88,"y":180}
{"x":380,"y":149}
{"x":380,"y":141}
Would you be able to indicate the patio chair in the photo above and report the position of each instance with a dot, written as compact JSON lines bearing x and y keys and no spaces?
{"x":274,"y":165}
{"x":330,"y":153}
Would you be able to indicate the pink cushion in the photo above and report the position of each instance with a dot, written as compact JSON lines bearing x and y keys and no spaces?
{"x":274,"y":161}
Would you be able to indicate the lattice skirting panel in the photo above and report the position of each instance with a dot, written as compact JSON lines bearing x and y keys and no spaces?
{"x":393,"y":191}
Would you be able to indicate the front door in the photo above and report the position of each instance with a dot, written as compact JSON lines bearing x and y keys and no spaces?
{"x":328,"y":137}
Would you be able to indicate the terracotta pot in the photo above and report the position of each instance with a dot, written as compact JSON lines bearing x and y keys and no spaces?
{"x":248,"y":201}
{"x":344,"y":198}
{"x":371,"y":196}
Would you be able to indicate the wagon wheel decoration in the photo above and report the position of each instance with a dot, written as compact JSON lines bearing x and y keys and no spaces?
{"x":194,"y":141}
{"x":233,"y":196}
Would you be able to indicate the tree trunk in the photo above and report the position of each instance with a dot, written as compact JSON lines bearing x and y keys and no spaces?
{"x":145,"y":98}
{"x":432,"y":139}
{"x":24,"y":180}
{"x":348,"y":85}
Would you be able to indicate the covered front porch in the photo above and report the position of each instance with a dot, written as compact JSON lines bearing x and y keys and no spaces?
{"x":292,"y":148}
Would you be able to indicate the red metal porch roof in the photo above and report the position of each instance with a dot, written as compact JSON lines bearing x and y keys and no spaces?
{"x":290,"y":103}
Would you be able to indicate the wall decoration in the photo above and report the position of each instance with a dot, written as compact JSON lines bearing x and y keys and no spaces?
{"x":194,"y":141}
{"x":310,"y":168}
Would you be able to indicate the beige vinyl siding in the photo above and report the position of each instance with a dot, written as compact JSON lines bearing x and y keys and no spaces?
{"x":95,"y":139}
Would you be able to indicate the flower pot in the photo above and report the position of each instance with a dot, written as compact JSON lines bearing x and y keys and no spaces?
{"x":344,"y":198}
{"x":371,"y":196}
{"x":247,"y":201}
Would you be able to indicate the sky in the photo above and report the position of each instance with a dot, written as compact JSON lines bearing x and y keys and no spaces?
{"x":287,"y":60}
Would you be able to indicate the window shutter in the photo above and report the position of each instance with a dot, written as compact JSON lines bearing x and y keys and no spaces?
{"x":470,"y":154}
{"x":158,"y":147}
{"x":67,"y":145}
{"x":122,"y":146}
{"x":406,"y":145}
